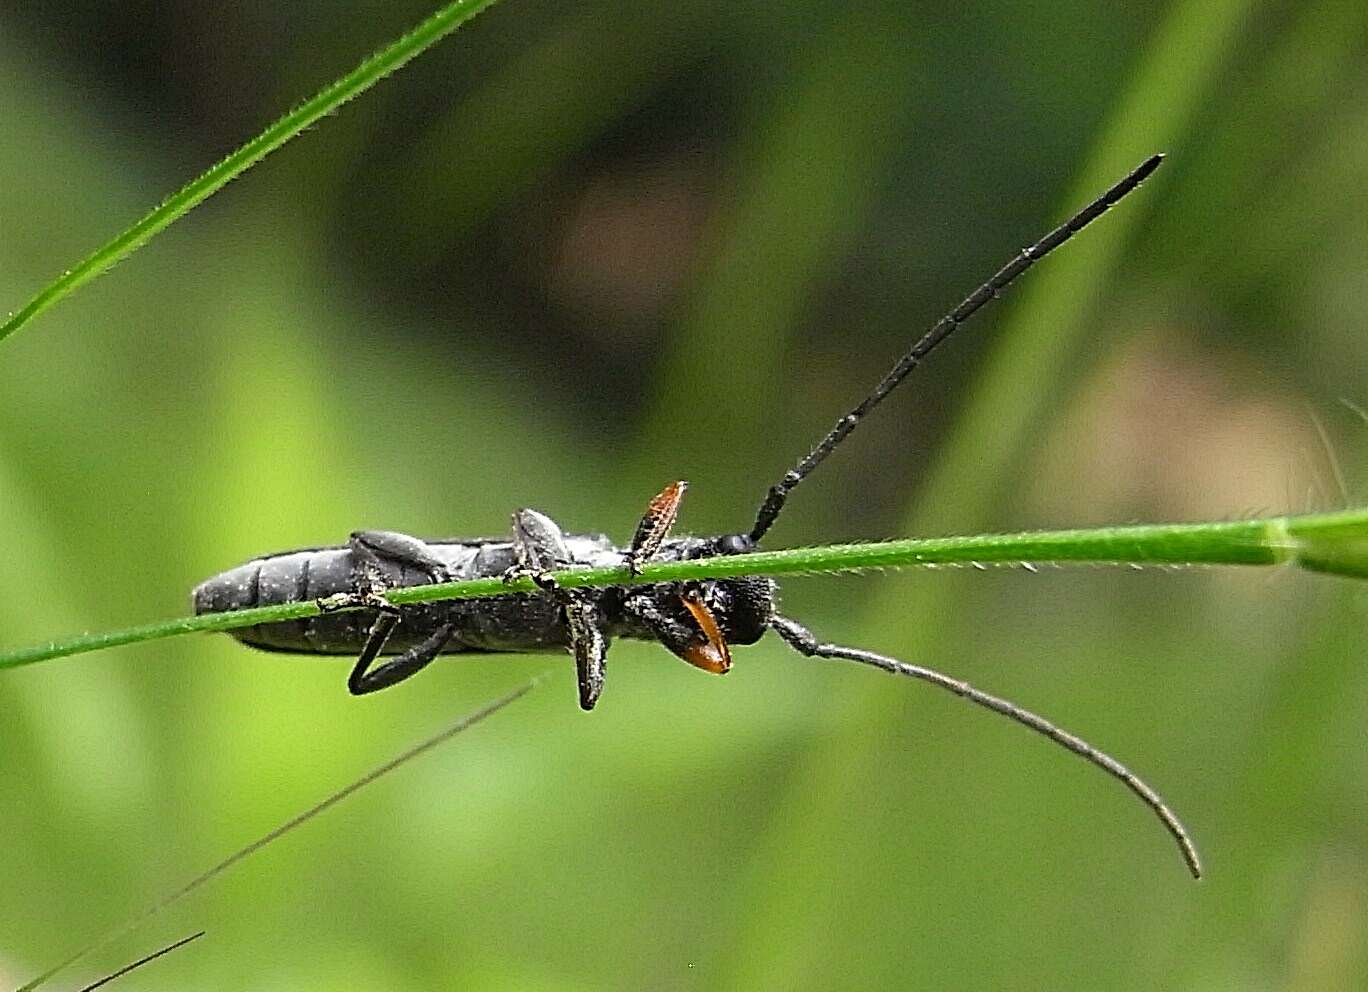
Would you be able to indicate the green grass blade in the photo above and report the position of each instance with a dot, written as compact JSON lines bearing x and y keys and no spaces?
{"x":326,"y":101}
{"x":1335,"y":543}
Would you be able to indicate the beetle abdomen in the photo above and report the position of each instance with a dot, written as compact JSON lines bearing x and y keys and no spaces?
{"x":289,"y":578}
{"x":510,"y":623}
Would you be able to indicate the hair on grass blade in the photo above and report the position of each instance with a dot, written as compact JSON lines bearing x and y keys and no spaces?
{"x":146,"y":959}
{"x":246,"y":851}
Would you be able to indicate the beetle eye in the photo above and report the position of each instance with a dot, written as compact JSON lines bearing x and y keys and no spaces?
{"x":735,"y":544}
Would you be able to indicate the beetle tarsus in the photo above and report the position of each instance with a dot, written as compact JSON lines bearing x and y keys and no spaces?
{"x":367,"y":599}
{"x":543,"y":579}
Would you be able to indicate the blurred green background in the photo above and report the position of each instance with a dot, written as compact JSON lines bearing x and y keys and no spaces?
{"x":576,"y":252}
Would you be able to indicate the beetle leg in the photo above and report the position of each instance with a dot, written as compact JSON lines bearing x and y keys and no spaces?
{"x":679,"y":636}
{"x":674,"y":634}
{"x":371,"y":550}
{"x":589,"y":647}
{"x":702,"y":646}
{"x":655,"y":525}
{"x":411,"y":661}
{"x":712,"y":654}
{"x":539,"y":547}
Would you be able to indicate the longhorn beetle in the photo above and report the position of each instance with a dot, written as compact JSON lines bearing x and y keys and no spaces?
{"x":698,"y":621}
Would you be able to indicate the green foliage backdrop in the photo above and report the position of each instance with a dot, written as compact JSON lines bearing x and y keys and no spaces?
{"x":576,"y":252}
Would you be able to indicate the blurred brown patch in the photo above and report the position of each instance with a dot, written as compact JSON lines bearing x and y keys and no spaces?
{"x":628,"y":240}
{"x":1328,"y":944}
{"x":1170,"y":430}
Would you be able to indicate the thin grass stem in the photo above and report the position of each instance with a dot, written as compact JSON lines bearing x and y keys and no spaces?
{"x":327,"y":101}
{"x":1334,"y":543}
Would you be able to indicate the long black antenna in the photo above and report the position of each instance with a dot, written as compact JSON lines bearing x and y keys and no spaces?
{"x":778,"y":494}
{"x":804,"y":642}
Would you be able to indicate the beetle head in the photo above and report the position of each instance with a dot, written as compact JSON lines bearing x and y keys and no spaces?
{"x":705,"y":618}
